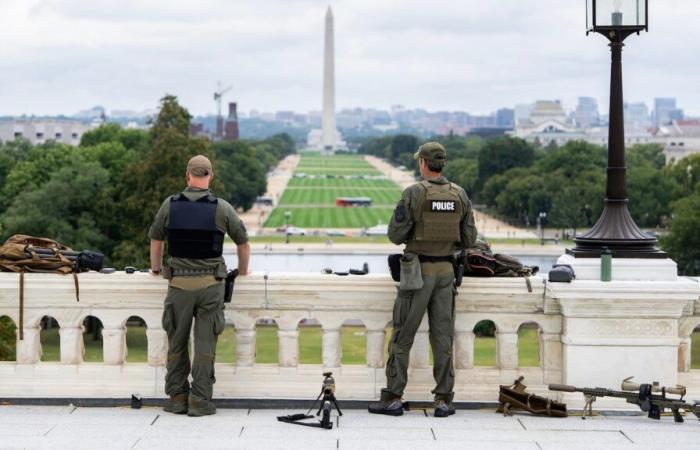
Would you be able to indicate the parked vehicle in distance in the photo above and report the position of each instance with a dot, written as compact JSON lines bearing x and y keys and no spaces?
{"x":335,"y":233}
{"x":295,"y":231}
{"x":377,"y":230}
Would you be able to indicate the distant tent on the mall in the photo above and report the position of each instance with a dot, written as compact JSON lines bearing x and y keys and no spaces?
{"x":353,"y":201}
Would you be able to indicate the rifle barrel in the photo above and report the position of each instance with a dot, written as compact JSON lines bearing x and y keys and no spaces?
{"x":562,"y":387}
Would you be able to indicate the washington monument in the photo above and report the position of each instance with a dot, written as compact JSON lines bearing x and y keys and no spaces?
{"x":327,"y":139}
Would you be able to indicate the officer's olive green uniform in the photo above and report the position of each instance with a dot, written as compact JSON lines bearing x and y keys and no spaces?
{"x":195,"y":290}
{"x":434,"y":219}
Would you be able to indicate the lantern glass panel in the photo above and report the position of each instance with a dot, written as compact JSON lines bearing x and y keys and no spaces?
{"x":589,"y":14}
{"x":623,"y":13}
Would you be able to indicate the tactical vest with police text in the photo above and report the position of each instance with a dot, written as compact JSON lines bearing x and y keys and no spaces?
{"x":437,"y":216}
{"x":192,"y":230}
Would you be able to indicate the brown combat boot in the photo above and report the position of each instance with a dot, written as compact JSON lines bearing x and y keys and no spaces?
{"x":177,"y":404}
{"x":198,"y":407}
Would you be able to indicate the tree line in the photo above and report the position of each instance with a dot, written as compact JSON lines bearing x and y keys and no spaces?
{"x":103,"y":194}
{"x":517,"y":181}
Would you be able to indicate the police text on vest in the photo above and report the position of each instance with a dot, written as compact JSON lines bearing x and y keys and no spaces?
{"x":442,"y":206}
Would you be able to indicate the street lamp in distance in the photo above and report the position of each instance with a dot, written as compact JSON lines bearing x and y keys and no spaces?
{"x":287,"y":216}
{"x":615,"y":229}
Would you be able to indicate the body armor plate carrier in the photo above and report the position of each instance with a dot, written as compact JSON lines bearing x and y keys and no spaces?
{"x":192,"y":230}
{"x":440,"y":211}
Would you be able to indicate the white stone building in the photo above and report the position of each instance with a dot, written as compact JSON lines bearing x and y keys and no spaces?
{"x":548,"y":123}
{"x":39,"y":131}
{"x":680,"y":139}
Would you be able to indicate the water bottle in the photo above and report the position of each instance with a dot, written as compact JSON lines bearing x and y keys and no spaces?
{"x":605,"y":264}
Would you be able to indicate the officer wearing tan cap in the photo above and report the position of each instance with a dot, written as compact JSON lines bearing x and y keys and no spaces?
{"x":434,"y":219}
{"x":194,"y":223}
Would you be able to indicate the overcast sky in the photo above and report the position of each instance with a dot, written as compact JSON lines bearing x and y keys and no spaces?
{"x":473,"y":55}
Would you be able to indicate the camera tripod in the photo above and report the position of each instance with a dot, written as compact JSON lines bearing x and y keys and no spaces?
{"x":326,"y":400}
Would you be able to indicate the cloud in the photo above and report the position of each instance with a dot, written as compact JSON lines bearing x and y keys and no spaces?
{"x":475,"y":55}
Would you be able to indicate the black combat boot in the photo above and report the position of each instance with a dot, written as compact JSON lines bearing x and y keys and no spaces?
{"x":443,"y":408}
{"x":389,"y":405}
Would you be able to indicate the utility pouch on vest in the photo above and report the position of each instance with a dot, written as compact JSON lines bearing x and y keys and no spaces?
{"x":395,"y":266}
{"x":229,"y":283}
{"x":411,"y":277}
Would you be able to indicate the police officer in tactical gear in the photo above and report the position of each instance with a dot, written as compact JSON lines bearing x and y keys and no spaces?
{"x":194,"y":223}
{"x":434,"y":219}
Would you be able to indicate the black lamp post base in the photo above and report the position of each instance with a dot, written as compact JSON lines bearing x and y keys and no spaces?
{"x":617,"y":231}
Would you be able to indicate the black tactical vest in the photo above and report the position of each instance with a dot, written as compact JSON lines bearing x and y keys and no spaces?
{"x":192,"y":230}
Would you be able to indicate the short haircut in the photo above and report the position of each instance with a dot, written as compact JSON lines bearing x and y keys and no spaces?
{"x":435,"y":166}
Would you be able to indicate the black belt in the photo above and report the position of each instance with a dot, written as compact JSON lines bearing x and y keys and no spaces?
{"x":433,"y":259}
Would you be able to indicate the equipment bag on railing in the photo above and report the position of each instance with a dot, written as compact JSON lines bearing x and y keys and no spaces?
{"x":21,"y":254}
{"x":481,"y":261}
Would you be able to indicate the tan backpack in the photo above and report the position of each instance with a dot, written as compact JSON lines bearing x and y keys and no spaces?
{"x":22,"y":254}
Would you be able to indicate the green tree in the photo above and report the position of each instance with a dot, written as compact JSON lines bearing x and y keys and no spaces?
{"x":241,"y":172}
{"x":464,"y":172}
{"x":34,"y":170}
{"x":683,"y":242}
{"x":401,"y":144}
{"x":8,"y":337}
{"x":162,"y":173}
{"x":63,"y":208}
{"x":500,"y":154}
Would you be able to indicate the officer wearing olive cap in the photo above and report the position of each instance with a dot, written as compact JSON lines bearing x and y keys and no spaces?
{"x":434,"y":219}
{"x":194,"y":223}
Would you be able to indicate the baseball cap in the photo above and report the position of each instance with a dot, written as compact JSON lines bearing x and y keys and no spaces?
{"x":431,"y":151}
{"x":199,"y":166}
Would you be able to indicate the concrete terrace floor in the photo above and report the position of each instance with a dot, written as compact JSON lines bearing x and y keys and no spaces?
{"x":150,"y":428}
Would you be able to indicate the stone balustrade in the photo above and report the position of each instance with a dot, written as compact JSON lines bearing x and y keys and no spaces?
{"x":589,"y":333}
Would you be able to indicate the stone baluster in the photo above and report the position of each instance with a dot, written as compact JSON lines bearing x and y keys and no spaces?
{"x":376,"y":337}
{"x":332,"y":350}
{"x":245,"y":347}
{"x":684,"y":355}
{"x":114,"y":345}
{"x":464,"y":349}
{"x":157,"y":346}
{"x":551,"y":355}
{"x":288,"y":334}
{"x":72,"y":346}
{"x":507,"y":350}
{"x":29,"y":348}
{"x":420,"y":356}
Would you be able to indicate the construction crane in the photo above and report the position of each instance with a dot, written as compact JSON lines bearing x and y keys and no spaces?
{"x":217,"y":98}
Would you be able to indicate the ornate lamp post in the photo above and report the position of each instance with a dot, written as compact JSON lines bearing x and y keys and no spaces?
{"x":615,"y":229}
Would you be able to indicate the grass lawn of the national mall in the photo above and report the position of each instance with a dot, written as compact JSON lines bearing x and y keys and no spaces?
{"x":353,"y":344}
{"x":319,"y":180}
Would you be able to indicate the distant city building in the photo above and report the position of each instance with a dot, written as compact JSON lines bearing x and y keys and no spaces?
{"x":679,"y":139}
{"x":547,"y":119}
{"x":548,"y":124}
{"x":39,"y":131}
{"x":505,"y":118}
{"x":665,"y":111}
{"x":231,"y":132}
{"x":586,"y":114}
{"x":637,"y":116}
{"x":522,"y":112}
